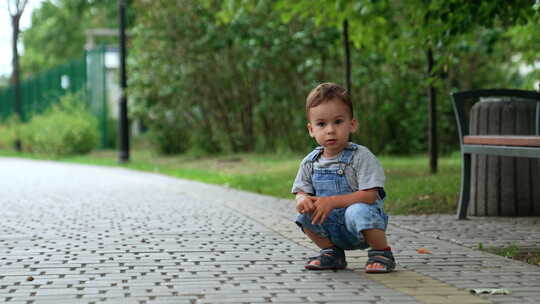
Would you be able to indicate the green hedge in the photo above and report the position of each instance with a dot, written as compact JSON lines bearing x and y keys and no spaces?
{"x":8,"y":135}
{"x":64,"y":129}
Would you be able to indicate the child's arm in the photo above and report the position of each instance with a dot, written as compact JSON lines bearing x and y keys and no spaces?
{"x":325,"y":204}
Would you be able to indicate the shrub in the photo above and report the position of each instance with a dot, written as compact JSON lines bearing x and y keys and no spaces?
{"x":65,"y":128}
{"x":112,"y":133}
{"x":169,"y":139}
{"x":8,"y":133}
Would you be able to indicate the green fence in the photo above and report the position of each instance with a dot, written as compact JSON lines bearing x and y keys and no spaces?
{"x":86,"y":74}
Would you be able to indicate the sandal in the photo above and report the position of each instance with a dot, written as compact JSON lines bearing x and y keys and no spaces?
{"x":329,"y":258}
{"x":383,"y":257}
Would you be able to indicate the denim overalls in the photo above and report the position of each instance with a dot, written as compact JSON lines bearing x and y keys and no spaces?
{"x":343,"y":226}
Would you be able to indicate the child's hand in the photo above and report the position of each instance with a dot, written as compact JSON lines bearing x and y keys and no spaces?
{"x":305,"y":203}
{"x":323,"y":206}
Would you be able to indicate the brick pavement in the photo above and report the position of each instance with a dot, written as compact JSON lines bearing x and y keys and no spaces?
{"x":89,"y":234}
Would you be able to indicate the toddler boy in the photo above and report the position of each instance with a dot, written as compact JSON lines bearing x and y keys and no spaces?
{"x":339,"y":187}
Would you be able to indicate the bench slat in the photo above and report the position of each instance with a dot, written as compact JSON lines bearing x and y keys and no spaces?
{"x":502,"y":140}
{"x":515,"y":151}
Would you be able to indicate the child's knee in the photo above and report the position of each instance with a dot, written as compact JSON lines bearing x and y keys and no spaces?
{"x":304,"y":222}
{"x":363,"y":216}
{"x":358,"y":210}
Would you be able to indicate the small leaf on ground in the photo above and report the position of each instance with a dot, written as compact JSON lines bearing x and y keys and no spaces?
{"x":424,"y":251}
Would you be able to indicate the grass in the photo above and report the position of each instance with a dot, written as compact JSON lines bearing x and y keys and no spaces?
{"x":411,"y":188}
{"x":414,"y":190}
{"x":527,"y":255}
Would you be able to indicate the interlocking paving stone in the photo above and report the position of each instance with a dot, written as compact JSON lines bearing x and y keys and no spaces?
{"x":114,"y":235}
{"x":451,"y":259}
{"x":488,"y":231}
{"x":88,"y":235}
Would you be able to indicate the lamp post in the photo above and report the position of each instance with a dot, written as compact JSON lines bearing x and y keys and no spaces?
{"x":123,"y":125}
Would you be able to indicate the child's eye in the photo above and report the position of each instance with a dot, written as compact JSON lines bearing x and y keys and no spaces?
{"x":320,"y":124}
{"x":338,"y":121}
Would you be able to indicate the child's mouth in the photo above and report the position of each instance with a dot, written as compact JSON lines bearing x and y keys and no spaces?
{"x":331,"y":142}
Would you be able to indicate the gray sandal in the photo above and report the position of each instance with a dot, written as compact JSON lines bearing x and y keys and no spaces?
{"x":329,"y":258}
{"x":383,"y":257}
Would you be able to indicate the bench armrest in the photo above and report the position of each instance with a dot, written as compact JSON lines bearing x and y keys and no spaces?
{"x":459,"y":98}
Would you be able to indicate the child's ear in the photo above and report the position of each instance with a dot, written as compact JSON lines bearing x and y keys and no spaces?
{"x":354,"y":125}
{"x":310,"y":129}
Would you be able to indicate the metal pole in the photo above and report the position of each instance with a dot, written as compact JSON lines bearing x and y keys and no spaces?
{"x":16,"y":76}
{"x":123,"y":125}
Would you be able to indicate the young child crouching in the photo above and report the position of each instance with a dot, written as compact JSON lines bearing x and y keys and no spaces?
{"x":339,"y":187}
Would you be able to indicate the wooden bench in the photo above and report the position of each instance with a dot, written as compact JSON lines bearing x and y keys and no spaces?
{"x":501,"y":145}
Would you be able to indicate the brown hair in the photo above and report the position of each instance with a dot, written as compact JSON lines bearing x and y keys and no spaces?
{"x":325,"y":92}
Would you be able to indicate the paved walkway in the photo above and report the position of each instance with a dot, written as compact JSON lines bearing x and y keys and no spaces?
{"x":82,"y":234}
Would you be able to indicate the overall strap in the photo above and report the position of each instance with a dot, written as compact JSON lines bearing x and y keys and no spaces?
{"x":348,"y":154}
{"x":313,"y":155}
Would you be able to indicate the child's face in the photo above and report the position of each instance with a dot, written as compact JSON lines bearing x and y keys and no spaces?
{"x":330,"y":124}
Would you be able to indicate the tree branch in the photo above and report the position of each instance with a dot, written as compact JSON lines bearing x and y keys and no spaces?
{"x":16,"y":9}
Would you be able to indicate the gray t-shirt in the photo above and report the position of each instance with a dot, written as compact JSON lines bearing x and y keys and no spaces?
{"x":363,"y":172}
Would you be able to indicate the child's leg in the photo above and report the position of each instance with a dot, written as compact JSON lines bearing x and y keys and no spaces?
{"x":319,"y":240}
{"x":376,"y":238}
{"x":315,"y":232}
{"x":369,"y":222}
{"x":331,"y":256}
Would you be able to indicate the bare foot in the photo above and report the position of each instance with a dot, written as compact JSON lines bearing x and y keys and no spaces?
{"x":315,"y":263}
{"x":375,"y":266}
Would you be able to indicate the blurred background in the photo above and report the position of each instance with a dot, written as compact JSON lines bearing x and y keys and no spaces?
{"x":232,"y":76}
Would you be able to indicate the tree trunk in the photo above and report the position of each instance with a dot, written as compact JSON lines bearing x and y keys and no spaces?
{"x":248,"y":124}
{"x":15,"y":76}
{"x":222,"y":111}
{"x":322,"y":75}
{"x":346,"y":45}
{"x":432,"y":96}
{"x":246,"y":120}
{"x":248,"y":92}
